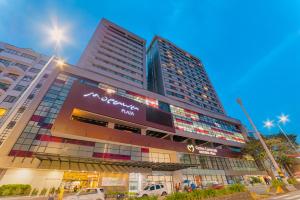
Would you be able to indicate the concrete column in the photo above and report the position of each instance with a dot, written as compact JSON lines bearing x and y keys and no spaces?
{"x":143,"y":131}
{"x":111,"y":125}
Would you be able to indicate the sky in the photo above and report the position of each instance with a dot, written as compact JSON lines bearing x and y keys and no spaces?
{"x":250,"y":48}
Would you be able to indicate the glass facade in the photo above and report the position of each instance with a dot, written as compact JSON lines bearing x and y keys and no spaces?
{"x":36,"y":137}
{"x":186,"y":120}
{"x":212,"y":169}
{"x":183,"y":76}
{"x":193,"y":122}
{"x":218,"y":163}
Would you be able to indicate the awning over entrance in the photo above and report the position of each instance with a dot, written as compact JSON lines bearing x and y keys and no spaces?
{"x":54,"y":161}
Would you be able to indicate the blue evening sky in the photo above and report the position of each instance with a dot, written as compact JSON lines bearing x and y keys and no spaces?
{"x":251,"y":48}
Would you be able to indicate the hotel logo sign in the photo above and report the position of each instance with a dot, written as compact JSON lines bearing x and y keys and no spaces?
{"x":126,"y":109}
{"x":202,"y":150}
{"x":190,"y":148}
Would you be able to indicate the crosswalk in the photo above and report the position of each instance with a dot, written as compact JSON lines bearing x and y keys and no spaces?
{"x":289,"y":196}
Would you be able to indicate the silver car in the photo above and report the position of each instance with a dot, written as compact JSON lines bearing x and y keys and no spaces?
{"x":87,"y":194}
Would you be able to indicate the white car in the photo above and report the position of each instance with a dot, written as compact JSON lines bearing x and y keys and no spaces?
{"x":153,"y":190}
{"x":88,"y":194}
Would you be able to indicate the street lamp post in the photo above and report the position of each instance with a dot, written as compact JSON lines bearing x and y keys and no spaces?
{"x":282,"y":120}
{"x":288,"y":139}
{"x":269,"y":154}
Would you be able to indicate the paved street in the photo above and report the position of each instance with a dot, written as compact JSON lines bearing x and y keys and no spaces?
{"x":290,"y":196}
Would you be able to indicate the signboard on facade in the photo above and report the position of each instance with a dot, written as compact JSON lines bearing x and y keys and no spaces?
{"x":100,"y":102}
{"x":126,"y":109}
{"x":202,"y":150}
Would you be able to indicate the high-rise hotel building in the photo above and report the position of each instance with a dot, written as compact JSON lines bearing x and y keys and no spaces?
{"x":179,"y":75}
{"x":89,"y":126}
{"x":116,"y":53}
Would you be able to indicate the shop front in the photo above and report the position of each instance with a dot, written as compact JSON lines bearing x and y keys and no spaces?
{"x":114,"y":175}
{"x":74,"y":181}
{"x":113,"y":182}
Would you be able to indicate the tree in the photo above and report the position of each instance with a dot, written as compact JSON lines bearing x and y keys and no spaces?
{"x":279,"y":147}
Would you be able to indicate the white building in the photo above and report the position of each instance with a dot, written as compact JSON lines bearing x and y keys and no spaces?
{"x":18,"y":67}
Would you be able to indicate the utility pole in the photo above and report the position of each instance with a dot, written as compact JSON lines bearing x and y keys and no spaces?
{"x":269,"y":154}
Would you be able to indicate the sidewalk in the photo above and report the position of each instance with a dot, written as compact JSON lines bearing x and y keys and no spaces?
{"x":295,"y":195}
{"x":258,"y":189}
{"x":24,"y":198}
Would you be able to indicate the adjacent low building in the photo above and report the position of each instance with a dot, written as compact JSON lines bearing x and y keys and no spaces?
{"x":18,"y":67}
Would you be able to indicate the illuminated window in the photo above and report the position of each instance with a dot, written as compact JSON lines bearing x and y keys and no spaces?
{"x":2,"y":111}
{"x":179,"y":72}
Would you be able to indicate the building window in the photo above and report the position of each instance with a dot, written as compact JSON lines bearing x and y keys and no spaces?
{"x":5,"y":62}
{"x":25,"y":55}
{"x":2,"y":111}
{"x":34,"y":70}
{"x":19,"y":88}
{"x":27,"y":78}
{"x":23,"y":67}
{"x":42,"y":62}
{"x":11,"y":76}
{"x":11,"y":124}
{"x":4,"y":86}
{"x":9,"y":99}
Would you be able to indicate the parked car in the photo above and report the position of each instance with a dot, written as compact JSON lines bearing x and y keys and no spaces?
{"x":214,"y":185}
{"x":87,"y":194}
{"x":217,"y":186}
{"x":153,"y":190}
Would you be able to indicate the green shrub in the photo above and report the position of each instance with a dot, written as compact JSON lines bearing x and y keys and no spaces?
{"x":196,"y":194}
{"x":43,"y":192}
{"x":177,"y":195}
{"x":52,"y":190}
{"x":34,"y":192}
{"x":145,"y":198}
{"x":292,"y":181}
{"x":207,"y":193}
{"x":224,"y":191}
{"x":254,"y":180}
{"x":15,"y":190}
{"x":277,"y":183}
{"x":237,"y":188}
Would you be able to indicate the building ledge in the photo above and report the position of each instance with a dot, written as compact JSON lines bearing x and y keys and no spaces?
{"x":55,"y":161}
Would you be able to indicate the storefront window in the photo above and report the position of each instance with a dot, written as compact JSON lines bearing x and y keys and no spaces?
{"x":211,"y":162}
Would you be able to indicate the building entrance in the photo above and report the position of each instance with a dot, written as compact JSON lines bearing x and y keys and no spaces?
{"x":74,"y":181}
